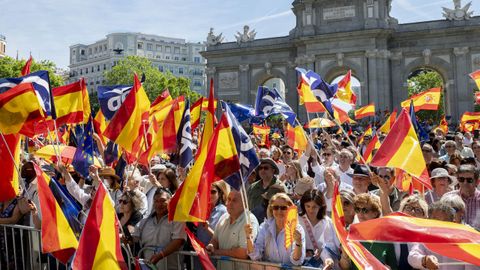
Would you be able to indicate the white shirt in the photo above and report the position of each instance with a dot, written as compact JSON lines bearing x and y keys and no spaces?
{"x":271,"y":247}
{"x":324,"y":235}
{"x":418,"y":251}
{"x":319,"y":171}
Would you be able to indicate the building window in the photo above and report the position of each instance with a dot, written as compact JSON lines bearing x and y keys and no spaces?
{"x":81,"y":71}
{"x":105,"y":47}
{"x":176,"y":50}
{"x":171,"y":70}
{"x":140,"y":46}
{"x":86,"y":70}
{"x":180,"y":70}
{"x":73,"y":52}
{"x":159,"y":57}
{"x":98,"y":67}
{"x":104,"y":66}
{"x":159,"y":48}
{"x":197,"y":83}
{"x":197,"y":72}
{"x":92,"y":69}
{"x":168,"y":49}
{"x":184,"y":59}
{"x":160,"y":68}
{"x":89,"y":51}
{"x":184,"y":51}
{"x":167,"y":57}
{"x":176,"y":58}
{"x":149,"y":46}
{"x":95,"y":50}
{"x":196,"y":59}
{"x":82,"y":52}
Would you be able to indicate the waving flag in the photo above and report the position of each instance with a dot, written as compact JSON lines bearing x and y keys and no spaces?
{"x":372,"y":145}
{"x":421,"y":132}
{"x":262,"y":132}
{"x":20,"y":110}
{"x":426,"y":100}
{"x":401,"y":149}
{"x":200,"y":249}
{"x":306,"y":96}
{"x":320,"y":88}
{"x":99,"y":246}
{"x":241,"y":112}
{"x":340,"y":110}
{"x":476,"y":77}
{"x":217,"y":161}
{"x":99,"y":125}
{"x":296,"y":137}
{"x":449,"y":239}
{"x":269,"y":102}
{"x":161,"y":101}
{"x":387,"y":126}
{"x":9,"y":178}
{"x":58,"y":237}
{"x":365,"y":111}
{"x":368,"y":131}
{"x":83,"y":157}
{"x":72,"y":103}
{"x":290,"y":225}
{"x":195,"y":112}
{"x":344,"y":91}
{"x":126,"y":127}
{"x":111,"y":98}
{"x":41,"y":84}
{"x":210,"y":121}
{"x":184,"y":139}
{"x":246,"y":151}
{"x":26,"y":67}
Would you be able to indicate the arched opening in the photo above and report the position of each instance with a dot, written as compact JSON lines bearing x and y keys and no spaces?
{"x":355,"y":85}
{"x":422,"y":79}
{"x":276,"y":83}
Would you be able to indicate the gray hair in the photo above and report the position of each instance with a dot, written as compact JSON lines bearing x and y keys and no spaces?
{"x":444,"y":207}
{"x":411,"y":200}
{"x":455,"y":201}
{"x":468,"y":168}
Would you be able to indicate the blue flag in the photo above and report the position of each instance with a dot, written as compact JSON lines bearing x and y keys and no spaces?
{"x":184,"y":139}
{"x":83,"y":157}
{"x":321,"y":89}
{"x":67,"y":203}
{"x":241,"y":112}
{"x":245,"y":149}
{"x":111,"y":98}
{"x":269,"y":102}
{"x":111,"y":153}
{"x":421,"y":132}
{"x":41,"y":83}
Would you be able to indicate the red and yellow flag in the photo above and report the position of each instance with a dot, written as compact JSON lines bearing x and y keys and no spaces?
{"x":9,"y":178}
{"x":290,"y":225}
{"x":443,"y":125}
{"x":127,"y":125}
{"x":296,"y":137}
{"x":99,"y":125}
{"x":200,"y":249}
{"x":407,"y":183}
{"x":262,"y":132}
{"x":372,"y":145}
{"x":205,"y":104}
{"x":218,"y":161}
{"x":470,"y":117}
{"x":26,"y":67}
{"x":20,"y":110}
{"x":401,"y":149}
{"x":387,"y":126}
{"x":365,"y":111}
{"x":195,"y":113}
{"x":449,"y":239}
{"x":340,"y":114}
{"x":210,"y":121}
{"x":58,"y":237}
{"x":426,"y":100}
{"x":344,"y":91}
{"x":72,"y":103}
{"x":163,"y":100}
{"x":368,"y":131}
{"x":99,"y":246}
{"x":359,"y":255}
{"x":476,"y":77}
{"x":307,"y":98}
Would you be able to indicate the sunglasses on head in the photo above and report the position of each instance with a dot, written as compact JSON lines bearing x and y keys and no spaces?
{"x":469,"y":180}
{"x":279,"y":207}
{"x":362,"y":210}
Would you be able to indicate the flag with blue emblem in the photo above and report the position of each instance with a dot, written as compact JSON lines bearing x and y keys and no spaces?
{"x":245,"y":149}
{"x":184,"y":139}
{"x":83,"y":157}
{"x":241,"y":112}
{"x":41,"y":83}
{"x":111,"y":98}
{"x":321,"y":89}
{"x":269,"y":102}
{"x":421,"y":132}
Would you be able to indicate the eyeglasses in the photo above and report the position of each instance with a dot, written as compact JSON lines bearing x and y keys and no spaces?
{"x":469,"y":180}
{"x":426,"y":150}
{"x":124,"y":202}
{"x":288,"y":153}
{"x":326,"y":154}
{"x":346,"y":203}
{"x":264,"y":168}
{"x":279,"y":207}
{"x":386,"y":177}
{"x":412,"y":209}
{"x":362,"y":210}
{"x":213,"y":191}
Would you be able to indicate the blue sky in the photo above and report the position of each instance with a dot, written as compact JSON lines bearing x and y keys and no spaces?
{"x":48,"y":27}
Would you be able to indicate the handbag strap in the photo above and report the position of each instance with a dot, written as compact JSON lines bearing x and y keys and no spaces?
{"x":310,"y":232}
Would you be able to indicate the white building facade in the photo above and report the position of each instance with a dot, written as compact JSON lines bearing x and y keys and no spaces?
{"x":176,"y":55}
{"x":3,"y":46}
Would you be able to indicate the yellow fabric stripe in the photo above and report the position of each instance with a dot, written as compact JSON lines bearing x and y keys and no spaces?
{"x":428,"y":223}
{"x":14,"y":113}
{"x":409,"y":155}
{"x":226,"y":149}
{"x":66,"y":237}
{"x":68,"y":103}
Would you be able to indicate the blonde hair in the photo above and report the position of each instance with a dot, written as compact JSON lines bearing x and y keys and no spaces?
{"x":370,"y":201}
{"x":280,"y":195}
{"x":224,"y":188}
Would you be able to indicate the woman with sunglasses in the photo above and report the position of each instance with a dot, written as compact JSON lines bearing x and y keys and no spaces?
{"x":321,"y":243}
{"x":270,"y":243}
{"x":129,"y":214}
{"x":368,"y":207}
{"x":218,"y":198}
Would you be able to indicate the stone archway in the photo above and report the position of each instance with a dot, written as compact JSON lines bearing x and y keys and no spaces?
{"x":272,"y":77}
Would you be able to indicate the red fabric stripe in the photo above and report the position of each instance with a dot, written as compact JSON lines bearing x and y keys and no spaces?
{"x":393,"y":140}
{"x":430,"y":107}
{"x":13,"y":92}
{"x":9,"y":170}
{"x":67,"y":89}
{"x":370,"y":148}
{"x":165,"y":94}
{"x":71,"y":118}
{"x":454,"y":252}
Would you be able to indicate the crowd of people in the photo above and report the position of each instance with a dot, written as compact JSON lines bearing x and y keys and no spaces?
{"x":251,"y":226}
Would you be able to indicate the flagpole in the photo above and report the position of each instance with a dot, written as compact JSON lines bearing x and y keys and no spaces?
{"x":145,"y":143}
{"x":53,"y":144}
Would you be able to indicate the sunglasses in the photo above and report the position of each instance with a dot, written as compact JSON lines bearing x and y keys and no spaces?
{"x":263,"y":168}
{"x":279,"y":207}
{"x":213,"y":191}
{"x":326,"y":154}
{"x":414,"y":209}
{"x":124,"y":202}
{"x":386,"y":177}
{"x":362,"y":210}
{"x":288,"y":153}
{"x":469,"y":180}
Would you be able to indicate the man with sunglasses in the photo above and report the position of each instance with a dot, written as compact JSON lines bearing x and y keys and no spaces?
{"x":390,"y":195}
{"x":468,"y":179}
{"x":267,"y":171}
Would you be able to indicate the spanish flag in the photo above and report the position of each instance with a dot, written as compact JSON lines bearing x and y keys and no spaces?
{"x":163,"y":100}
{"x":344,"y":91}
{"x":476,"y":77}
{"x":58,"y":237}
{"x":20,"y":110}
{"x":9,"y":178}
{"x":263,"y":132}
{"x":210,"y":121}
{"x":99,"y":246}
{"x":307,"y":98}
{"x":470,"y":117}
{"x":372,"y":145}
{"x":387,"y":126}
{"x":296,"y":137}
{"x":195,"y":112}
{"x":127,"y":125}
{"x":427,"y":100}
{"x":340,"y":111}
{"x":368,"y":131}
{"x":217,"y":161}
{"x":443,"y":125}
{"x":401,"y":149}
{"x":99,"y":125}
{"x":205,"y":104}
{"x":72,"y":103}
{"x":359,"y":255}
{"x":365,"y":111}
{"x":290,"y":225}
{"x":449,"y":239}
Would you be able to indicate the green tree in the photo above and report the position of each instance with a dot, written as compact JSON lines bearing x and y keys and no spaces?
{"x":11,"y":68}
{"x":423,"y":80}
{"x":155,"y":81}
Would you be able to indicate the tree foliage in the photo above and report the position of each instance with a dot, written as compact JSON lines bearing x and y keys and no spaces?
{"x":423,"y":80}
{"x":155,"y":81}
{"x":11,"y":68}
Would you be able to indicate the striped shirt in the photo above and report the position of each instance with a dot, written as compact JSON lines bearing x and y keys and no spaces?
{"x":472,"y":208}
